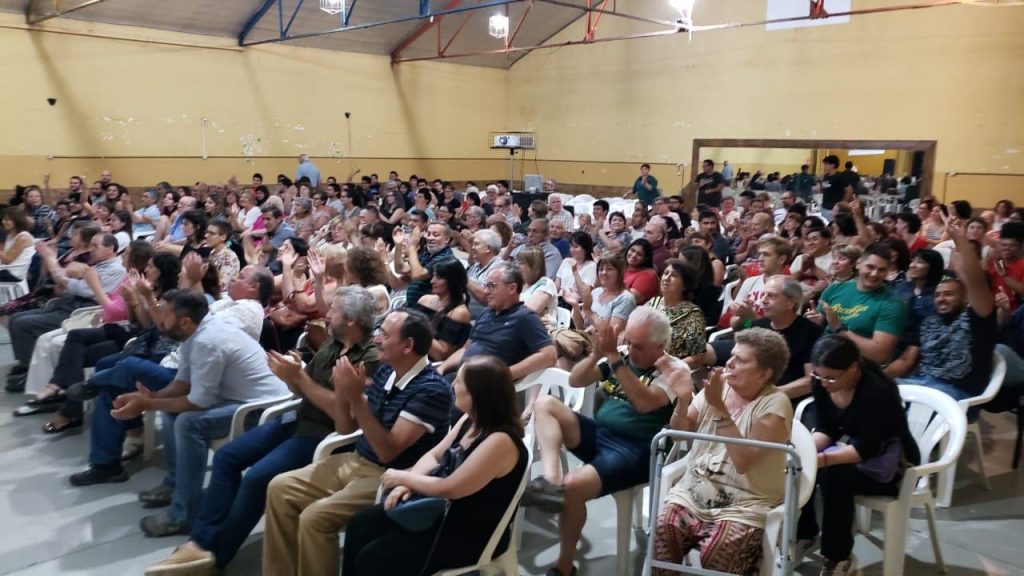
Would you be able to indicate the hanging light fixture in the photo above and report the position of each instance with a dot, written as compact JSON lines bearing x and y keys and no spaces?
{"x":685,"y":9}
{"x":333,"y":7}
{"x":498,"y":26}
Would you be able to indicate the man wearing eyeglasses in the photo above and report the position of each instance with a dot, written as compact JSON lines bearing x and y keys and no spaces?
{"x":506,"y":329}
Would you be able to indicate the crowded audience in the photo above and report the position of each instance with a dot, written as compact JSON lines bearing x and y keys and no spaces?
{"x":405,"y":313}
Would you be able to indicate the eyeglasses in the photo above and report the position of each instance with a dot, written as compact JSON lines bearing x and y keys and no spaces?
{"x":829,"y":381}
{"x":493,"y":285}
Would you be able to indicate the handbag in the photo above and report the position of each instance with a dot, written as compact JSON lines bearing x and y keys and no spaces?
{"x":419,"y":512}
{"x":887,"y":465}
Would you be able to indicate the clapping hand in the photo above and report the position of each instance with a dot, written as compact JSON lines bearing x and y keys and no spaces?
{"x":287,"y":368}
{"x":680,"y":381}
{"x":349,"y":381}
{"x":605,"y":339}
{"x":132,"y":404}
{"x":316,"y":264}
{"x":744,"y":310}
{"x":193,"y":267}
{"x":830,"y":316}
{"x":287,"y":255}
{"x":713,"y":387}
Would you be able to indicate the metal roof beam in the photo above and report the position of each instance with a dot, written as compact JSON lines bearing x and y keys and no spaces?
{"x":33,"y":19}
{"x":423,"y":28}
{"x":489,"y":4}
{"x":254,"y":20}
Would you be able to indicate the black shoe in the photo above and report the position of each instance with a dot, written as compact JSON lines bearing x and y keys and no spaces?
{"x":17,"y":371}
{"x":82,"y":391}
{"x":542,"y":494}
{"x":16,"y":385}
{"x":157,"y":497}
{"x":99,"y":475}
{"x":556,"y":572}
{"x":159,"y":525}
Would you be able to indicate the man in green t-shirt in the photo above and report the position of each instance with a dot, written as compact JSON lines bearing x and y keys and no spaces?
{"x":865,"y":310}
{"x":614,"y":445}
{"x":646,"y":186}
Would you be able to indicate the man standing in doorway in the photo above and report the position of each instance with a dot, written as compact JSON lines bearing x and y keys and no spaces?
{"x":710,"y":185}
{"x":646,"y":186}
{"x":834,"y":185}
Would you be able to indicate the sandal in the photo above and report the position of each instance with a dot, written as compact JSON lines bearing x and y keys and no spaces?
{"x":56,"y":398}
{"x":52,"y":428}
{"x":30,"y":410}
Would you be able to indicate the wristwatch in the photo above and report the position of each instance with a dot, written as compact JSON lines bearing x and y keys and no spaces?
{"x":616,"y":365}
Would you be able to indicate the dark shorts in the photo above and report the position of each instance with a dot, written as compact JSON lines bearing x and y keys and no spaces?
{"x":621,"y":462}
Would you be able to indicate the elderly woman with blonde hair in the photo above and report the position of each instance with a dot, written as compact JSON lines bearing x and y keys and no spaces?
{"x":720,"y":504}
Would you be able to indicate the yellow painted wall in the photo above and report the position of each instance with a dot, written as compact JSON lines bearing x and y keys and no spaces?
{"x":951,"y":74}
{"x":134,"y":106}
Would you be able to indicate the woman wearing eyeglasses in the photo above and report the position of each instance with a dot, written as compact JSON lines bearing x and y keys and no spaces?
{"x":863,"y":441}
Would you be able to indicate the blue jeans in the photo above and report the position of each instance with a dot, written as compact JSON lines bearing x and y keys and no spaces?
{"x":187,"y":437}
{"x":942,"y":386}
{"x":108,"y":432}
{"x":234,"y":503}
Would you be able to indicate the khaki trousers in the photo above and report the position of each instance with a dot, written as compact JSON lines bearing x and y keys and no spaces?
{"x":307,"y":508}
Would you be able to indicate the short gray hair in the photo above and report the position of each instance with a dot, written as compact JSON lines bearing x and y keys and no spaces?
{"x":658,"y":325}
{"x":791,"y":289}
{"x":357,"y":304}
{"x":511,"y":274}
{"x":770,"y":350}
{"x":489,"y":238}
{"x":478,"y":212}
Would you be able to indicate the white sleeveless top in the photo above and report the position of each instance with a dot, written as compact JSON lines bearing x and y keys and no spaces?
{"x":19,"y":267}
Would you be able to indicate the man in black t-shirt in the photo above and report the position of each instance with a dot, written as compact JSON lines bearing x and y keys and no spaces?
{"x":710,"y":185}
{"x":782,"y":301}
{"x":834,"y":185}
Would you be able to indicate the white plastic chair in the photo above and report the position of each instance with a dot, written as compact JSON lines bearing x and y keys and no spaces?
{"x":241,"y":414}
{"x":508,"y":562}
{"x":944,"y":487}
{"x":936,"y":422}
{"x":334,"y":441}
{"x":279,"y":410}
{"x":720,"y":335}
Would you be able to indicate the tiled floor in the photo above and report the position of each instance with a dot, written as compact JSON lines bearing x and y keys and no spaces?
{"x":47,"y":527}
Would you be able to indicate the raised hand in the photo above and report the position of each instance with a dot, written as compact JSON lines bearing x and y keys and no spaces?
{"x":316,"y":263}
{"x":713,"y":387}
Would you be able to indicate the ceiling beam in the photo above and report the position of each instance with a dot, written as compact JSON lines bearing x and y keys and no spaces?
{"x":421,"y":30}
{"x":399,"y":20}
{"x":33,"y":19}
{"x":254,"y":20}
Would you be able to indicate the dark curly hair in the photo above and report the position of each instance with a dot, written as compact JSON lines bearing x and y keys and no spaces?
{"x":366,"y":265}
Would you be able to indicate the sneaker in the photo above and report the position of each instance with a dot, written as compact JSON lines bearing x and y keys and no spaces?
{"x":132,"y":448}
{"x":157,"y":497}
{"x":159,"y":525}
{"x":185,"y":561}
{"x":99,"y":475}
{"x":16,"y":385}
{"x":82,"y":391}
{"x":542,"y":494}
{"x":841,"y":568}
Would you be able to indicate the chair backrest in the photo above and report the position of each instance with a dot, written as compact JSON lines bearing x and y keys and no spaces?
{"x":563,"y":316}
{"x":727,"y":297}
{"x":719,"y":335}
{"x":554,"y":381}
{"x":995,"y":383}
{"x":801,"y":439}
{"x":935,"y":418}
{"x":488,"y":553}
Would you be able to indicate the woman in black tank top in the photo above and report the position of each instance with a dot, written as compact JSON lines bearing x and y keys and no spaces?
{"x":477,"y":468}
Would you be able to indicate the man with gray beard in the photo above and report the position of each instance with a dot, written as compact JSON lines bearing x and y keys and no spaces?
{"x":418,"y":262}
